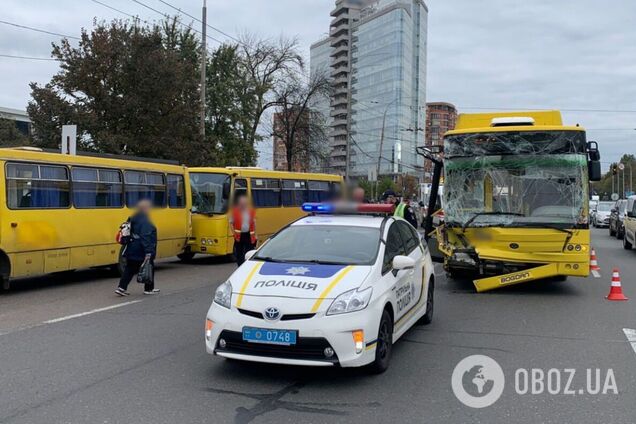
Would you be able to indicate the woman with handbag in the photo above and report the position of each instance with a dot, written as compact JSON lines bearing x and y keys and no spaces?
{"x":140,"y":251}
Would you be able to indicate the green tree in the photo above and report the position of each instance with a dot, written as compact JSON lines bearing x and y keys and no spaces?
{"x":606,"y":187}
{"x":10,"y":136}
{"x":386,"y":183}
{"x":227,"y":96}
{"x":130,"y":88}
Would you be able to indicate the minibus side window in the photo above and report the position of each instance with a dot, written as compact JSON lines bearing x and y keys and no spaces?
{"x":97,"y":188}
{"x":240,"y":187}
{"x":176,"y":191}
{"x":31,"y":186}
{"x":294,"y":192}
{"x":265,"y":192}
{"x":318,"y":191}
{"x":145,"y":185}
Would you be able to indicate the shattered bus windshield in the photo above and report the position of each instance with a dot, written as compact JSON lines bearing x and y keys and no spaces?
{"x":516,"y":179}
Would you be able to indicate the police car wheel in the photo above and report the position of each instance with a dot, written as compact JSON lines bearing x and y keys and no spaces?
{"x":384,"y":344}
{"x":430,"y":305}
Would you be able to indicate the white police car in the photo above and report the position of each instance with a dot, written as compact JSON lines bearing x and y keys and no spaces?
{"x":329,"y":289}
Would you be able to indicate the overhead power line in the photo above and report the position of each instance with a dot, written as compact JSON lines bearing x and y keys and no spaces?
{"x":200,"y":21}
{"x":118,"y":10}
{"x":165,"y":15}
{"x":10,"y":56}
{"x":43,"y":31}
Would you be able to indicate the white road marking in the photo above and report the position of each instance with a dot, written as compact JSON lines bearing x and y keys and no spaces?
{"x":631,"y":337}
{"x":94,"y":311}
{"x":596,"y":274}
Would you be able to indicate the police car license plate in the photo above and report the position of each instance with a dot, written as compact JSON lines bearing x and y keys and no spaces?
{"x":269,"y":336}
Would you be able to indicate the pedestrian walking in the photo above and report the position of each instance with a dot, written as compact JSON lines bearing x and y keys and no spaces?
{"x":140,"y":249}
{"x":243,"y":223}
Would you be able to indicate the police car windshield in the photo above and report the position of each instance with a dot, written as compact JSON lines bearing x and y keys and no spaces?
{"x":327,"y":244}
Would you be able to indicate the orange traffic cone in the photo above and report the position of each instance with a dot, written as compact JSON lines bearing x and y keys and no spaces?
{"x":593,"y":262}
{"x":616,"y":291}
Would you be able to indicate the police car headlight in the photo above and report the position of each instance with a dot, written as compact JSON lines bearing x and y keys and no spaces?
{"x":350,"y":301}
{"x":223,"y":295}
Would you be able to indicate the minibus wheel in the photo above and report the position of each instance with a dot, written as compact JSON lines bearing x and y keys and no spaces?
{"x":186,"y":256}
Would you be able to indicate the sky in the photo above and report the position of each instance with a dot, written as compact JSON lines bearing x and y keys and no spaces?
{"x":578,"y":56}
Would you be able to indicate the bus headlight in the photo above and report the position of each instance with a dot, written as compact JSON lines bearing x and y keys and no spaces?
{"x":223,"y":295}
{"x":350,"y":301}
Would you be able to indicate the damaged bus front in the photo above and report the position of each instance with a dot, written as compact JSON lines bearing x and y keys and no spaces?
{"x":516,"y":188}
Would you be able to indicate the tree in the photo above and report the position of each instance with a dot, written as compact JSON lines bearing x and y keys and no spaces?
{"x":606,"y":186}
{"x":10,"y":136}
{"x":227,"y":96}
{"x":265,"y":64}
{"x":300,"y":129}
{"x":131,"y":89}
{"x":385,"y":184}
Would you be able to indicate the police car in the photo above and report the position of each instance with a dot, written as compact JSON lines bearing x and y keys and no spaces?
{"x":334,"y":288}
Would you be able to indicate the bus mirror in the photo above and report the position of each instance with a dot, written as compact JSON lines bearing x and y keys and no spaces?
{"x":433,"y":248}
{"x":226,"y":190}
{"x":437,"y":149}
{"x":594,"y":170}
{"x":592,"y":151}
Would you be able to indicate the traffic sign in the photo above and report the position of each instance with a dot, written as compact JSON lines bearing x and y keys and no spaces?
{"x":621,"y":166}
{"x":615,"y":196}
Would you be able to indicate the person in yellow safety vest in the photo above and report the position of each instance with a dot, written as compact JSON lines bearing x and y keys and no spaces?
{"x":404,"y":210}
{"x":243,"y":223}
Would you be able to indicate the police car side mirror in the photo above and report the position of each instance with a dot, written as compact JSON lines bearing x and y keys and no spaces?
{"x":403,"y":262}
{"x":250,"y":254}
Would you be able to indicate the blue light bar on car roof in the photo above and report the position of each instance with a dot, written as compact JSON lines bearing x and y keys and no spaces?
{"x":348,"y":208}
{"x":318,"y":207}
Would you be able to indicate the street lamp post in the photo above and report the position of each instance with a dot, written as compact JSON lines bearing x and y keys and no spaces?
{"x":377,"y":169}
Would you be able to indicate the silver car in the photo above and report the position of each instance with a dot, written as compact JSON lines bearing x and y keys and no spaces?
{"x":602,"y":214}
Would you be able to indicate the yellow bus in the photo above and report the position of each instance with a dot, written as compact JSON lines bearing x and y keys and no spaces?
{"x":516,"y":198}
{"x":276,"y":196}
{"x":61,"y":212}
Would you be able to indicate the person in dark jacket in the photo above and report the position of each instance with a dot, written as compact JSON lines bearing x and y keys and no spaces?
{"x":142,"y":247}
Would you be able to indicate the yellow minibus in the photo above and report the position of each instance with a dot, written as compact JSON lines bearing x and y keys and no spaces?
{"x":276,"y":196}
{"x":62,"y":212}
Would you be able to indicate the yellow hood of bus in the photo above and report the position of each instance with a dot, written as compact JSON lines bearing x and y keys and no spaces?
{"x":525,"y":244}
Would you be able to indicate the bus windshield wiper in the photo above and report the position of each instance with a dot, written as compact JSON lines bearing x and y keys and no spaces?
{"x":478,"y":214}
{"x":539,"y":225}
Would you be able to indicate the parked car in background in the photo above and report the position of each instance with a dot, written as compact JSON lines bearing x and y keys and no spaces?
{"x":602,"y":214}
{"x":617,"y":216}
{"x":629,"y":223}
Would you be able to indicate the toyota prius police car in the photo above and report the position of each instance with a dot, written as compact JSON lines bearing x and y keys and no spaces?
{"x":337,"y":287}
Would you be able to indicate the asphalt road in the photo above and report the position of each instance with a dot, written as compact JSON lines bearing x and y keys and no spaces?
{"x":145,"y":362}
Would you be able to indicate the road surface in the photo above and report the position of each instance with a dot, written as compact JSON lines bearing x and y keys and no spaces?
{"x":72,"y":352}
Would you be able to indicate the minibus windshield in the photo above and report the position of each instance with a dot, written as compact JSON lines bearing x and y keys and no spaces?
{"x":208,"y":194}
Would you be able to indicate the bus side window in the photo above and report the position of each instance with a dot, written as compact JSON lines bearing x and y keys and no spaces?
{"x":294,"y":192}
{"x":176,"y":191}
{"x":265,"y":192}
{"x":31,"y":186}
{"x":336,"y":191}
{"x":96,"y":188}
{"x":145,"y":185}
{"x":240,"y":187}
{"x":318,"y":191}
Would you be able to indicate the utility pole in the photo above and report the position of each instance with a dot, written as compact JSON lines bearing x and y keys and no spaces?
{"x":204,"y":20}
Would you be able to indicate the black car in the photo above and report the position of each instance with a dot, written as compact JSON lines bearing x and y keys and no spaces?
{"x":617,"y":215}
